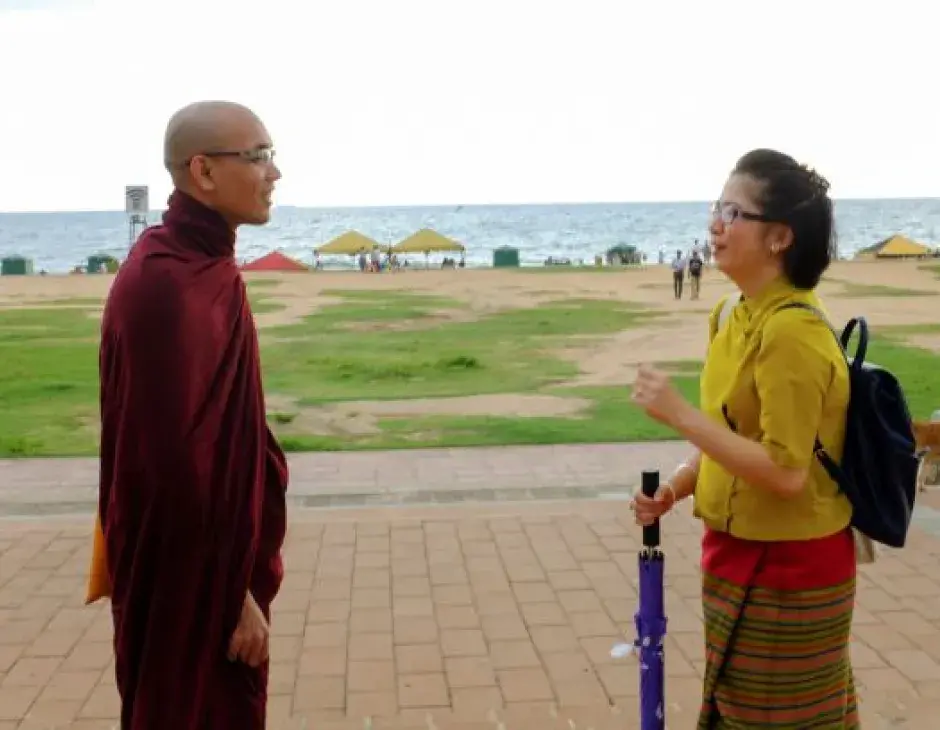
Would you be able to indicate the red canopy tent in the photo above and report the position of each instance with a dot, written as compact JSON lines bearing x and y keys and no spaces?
{"x":274,"y":261}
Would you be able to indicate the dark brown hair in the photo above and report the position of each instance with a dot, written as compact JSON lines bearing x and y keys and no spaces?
{"x":798,"y":197}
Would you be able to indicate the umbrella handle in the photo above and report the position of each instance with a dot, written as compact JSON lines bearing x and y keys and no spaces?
{"x":650,"y":485}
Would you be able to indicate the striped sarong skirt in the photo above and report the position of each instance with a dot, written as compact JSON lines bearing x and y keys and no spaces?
{"x":778,"y":619}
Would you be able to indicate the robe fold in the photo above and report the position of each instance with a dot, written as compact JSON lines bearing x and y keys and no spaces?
{"x":192,"y":485}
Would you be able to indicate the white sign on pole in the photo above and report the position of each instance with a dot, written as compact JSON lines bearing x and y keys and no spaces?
{"x":137,"y":200}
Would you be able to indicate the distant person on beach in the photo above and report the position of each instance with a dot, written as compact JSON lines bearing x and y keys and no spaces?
{"x":678,"y":274}
{"x":778,"y":556}
{"x":192,"y":484}
{"x":695,"y":274}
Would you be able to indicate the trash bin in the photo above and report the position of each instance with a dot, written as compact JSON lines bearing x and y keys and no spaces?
{"x":100,"y":263}
{"x":16,"y":266}
{"x":505,"y":257}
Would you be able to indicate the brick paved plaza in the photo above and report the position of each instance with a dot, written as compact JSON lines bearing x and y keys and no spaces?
{"x":444,"y":611}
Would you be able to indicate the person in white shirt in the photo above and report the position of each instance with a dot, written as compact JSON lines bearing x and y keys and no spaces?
{"x":678,"y":274}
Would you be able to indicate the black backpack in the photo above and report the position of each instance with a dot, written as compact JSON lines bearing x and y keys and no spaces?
{"x":695,"y":267}
{"x":878,"y":472}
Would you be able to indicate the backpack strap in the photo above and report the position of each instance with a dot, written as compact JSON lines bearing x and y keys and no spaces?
{"x":819,"y":451}
{"x":727,"y":305}
{"x":828,"y":463}
{"x":731,"y":301}
{"x":843,"y":340}
{"x":818,"y":312}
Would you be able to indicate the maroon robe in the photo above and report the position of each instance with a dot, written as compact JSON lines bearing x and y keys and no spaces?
{"x":192,"y":492}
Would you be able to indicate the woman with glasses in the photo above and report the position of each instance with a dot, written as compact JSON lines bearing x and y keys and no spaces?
{"x":778,"y":557}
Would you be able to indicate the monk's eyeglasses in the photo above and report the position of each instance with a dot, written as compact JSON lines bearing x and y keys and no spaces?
{"x":263,"y":155}
{"x":730,"y":212}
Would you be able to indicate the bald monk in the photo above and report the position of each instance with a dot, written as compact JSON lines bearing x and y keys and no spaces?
{"x":192,"y":492}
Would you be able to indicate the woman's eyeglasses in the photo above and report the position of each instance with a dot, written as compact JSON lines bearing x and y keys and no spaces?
{"x":728,"y":213}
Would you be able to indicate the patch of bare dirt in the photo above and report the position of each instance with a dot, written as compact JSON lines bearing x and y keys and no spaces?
{"x":361,"y":418}
{"x":294,"y":309}
{"x":65,"y":286}
{"x":614,"y":359}
{"x":928,"y":341}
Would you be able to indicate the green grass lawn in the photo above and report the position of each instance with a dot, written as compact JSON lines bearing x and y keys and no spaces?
{"x":612,"y":417}
{"x":408,"y":352}
{"x":932,"y":268}
{"x":374,"y":346}
{"x":257,"y":291}
{"x":48,"y":381}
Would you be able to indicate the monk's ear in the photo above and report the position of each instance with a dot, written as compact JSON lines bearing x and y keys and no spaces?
{"x":200,"y":172}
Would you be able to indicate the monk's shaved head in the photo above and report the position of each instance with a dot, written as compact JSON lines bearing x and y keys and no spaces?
{"x":205,"y":126}
{"x":220,"y":154}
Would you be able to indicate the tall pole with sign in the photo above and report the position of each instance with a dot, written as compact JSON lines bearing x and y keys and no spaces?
{"x":137,"y":205}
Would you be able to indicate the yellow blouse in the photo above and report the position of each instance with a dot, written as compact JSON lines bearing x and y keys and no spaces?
{"x":783,"y":380}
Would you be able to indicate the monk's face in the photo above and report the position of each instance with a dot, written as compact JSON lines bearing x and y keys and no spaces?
{"x":239,"y":175}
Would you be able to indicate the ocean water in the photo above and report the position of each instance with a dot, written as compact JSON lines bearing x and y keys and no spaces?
{"x":59,"y":241}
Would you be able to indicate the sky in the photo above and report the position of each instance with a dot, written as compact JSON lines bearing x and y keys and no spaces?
{"x":417,"y":102}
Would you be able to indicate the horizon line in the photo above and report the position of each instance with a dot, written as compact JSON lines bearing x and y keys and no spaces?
{"x":398,"y":206}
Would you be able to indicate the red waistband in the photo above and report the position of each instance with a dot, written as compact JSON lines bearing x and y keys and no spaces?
{"x":786,"y":565}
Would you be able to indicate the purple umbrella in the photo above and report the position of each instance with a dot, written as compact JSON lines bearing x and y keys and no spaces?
{"x":651,"y":621}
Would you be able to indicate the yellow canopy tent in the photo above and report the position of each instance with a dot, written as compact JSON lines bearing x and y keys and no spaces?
{"x":896,"y":247}
{"x":349,"y":243}
{"x":425,"y":241}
